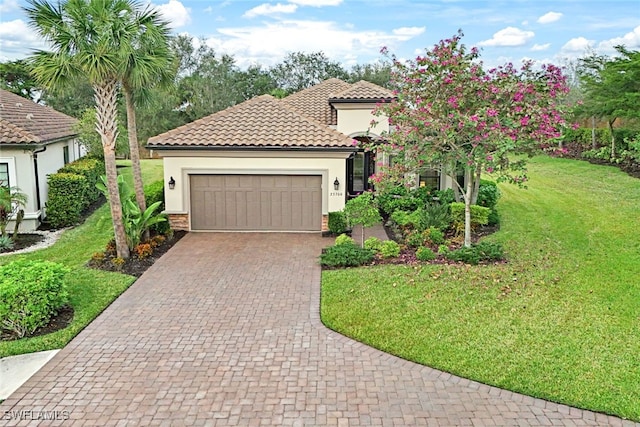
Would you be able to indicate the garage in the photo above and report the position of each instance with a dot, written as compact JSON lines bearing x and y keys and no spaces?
{"x":256,"y":202}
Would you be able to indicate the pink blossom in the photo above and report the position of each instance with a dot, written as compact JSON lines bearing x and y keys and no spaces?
{"x":524,"y":121}
{"x":491,"y":112}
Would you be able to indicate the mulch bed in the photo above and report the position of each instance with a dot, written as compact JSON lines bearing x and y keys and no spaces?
{"x":574,"y":151}
{"x":134,"y":266}
{"x":23,"y":241}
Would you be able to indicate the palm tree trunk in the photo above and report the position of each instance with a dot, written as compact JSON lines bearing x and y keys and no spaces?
{"x":107,"y":126}
{"x":134,"y":148}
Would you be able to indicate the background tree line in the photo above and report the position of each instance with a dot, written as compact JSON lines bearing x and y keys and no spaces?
{"x":200,"y":82}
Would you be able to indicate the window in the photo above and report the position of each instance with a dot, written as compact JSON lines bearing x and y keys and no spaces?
{"x":359,"y":168}
{"x":4,"y":175}
{"x":429,"y":178}
{"x":65,"y":154}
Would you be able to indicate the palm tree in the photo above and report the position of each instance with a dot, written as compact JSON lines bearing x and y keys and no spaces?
{"x":150,"y":62}
{"x":90,"y":38}
{"x":11,"y":201}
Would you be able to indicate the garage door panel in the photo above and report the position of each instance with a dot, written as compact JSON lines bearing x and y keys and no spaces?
{"x":256,"y":202}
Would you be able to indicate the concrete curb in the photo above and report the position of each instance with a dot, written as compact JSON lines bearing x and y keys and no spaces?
{"x":16,"y":370}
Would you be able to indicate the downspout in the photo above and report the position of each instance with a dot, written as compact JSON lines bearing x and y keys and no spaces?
{"x":35,"y":168}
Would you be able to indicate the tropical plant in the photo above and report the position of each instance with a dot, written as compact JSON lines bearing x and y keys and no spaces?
{"x":92,"y":40}
{"x":11,"y":201}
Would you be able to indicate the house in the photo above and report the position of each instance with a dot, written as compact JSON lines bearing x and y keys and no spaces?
{"x":35,"y":141}
{"x":272,"y":164}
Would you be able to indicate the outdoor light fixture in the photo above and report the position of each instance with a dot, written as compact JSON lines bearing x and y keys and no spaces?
{"x":336,"y":184}
{"x":172,"y":183}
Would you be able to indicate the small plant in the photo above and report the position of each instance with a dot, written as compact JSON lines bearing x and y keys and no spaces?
{"x":362,"y":211}
{"x":98,"y":257}
{"x":337,"y":222}
{"x":433,"y":235}
{"x":481,"y":252}
{"x":143,"y":250}
{"x":157,"y":240}
{"x":110,"y":248}
{"x":389,"y":249}
{"x":118,"y":263}
{"x":479,"y":216}
{"x":425,"y":254}
{"x":344,"y":239}
{"x":490,"y":251}
{"x":373,"y":243}
{"x":346,"y":255}
{"x":414,"y":239}
{"x":6,"y":243}
{"x":31,"y":292}
{"x":443,"y":250}
{"x":402,"y":218}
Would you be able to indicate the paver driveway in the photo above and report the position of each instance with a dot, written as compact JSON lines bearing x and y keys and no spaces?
{"x":225,"y":330}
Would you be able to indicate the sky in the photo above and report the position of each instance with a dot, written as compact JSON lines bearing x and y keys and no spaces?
{"x":353,"y":31}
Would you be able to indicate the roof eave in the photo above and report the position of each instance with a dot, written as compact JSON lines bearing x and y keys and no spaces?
{"x":241,"y":148}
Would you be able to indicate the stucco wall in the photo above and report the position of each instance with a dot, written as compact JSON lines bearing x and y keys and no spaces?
{"x":355,"y":119}
{"x":180,"y":165}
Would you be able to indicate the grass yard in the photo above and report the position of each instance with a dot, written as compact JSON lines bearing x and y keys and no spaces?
{"x":560,"y":321}
{"x":90,"y":291}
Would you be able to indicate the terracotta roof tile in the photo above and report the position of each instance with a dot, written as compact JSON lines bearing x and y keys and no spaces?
{"x":261,"y":122}
{"x":363,"y":91}
{"x":25,"y":122}
{"x":313,"y":102}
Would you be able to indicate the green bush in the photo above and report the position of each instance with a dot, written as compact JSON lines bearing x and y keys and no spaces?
{"x":91,"y":169}
{"x":31,"y":293}
{"x":153,"y":193}
{"x":494,"y":218}
{"x":66,"y":199}
{"x":346,"y":255}
{"x":425,"y":254}
{"x":393,"y":199}
{"x":402,"y":218}
{"x":343,"y":239}
{"x":481,"y":252}
{"x":389,"y":249}
{"x":373,"y":243}
{"x":414,"y":239}
{"x":479,"y":215}
{"x":433,"y":235}
{"x":444,"y":197}
{"x":488,"y":194}
{"x":337,"y":222}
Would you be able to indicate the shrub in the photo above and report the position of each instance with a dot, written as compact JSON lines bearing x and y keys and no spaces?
{"x":118,"y":263}
{"x":389,"y":249}
{"x":343,"y":239}
{"x":67,"y":199}
{"x":435,"y":215}
{"x":444,"y":197}
{"x":346,"y":255}
{"x":6,"y":243}
{"x":31,"y":293}
{"x":362,"y":211}
{"x":98,"y":257}
{"x":91,"y":169}
{"x":373,"y":243}
{"x":337,"y":222}
{"x":488,"y":194}
{"x":143,"y":250}
{"x":494,"y":218}
{"x":402,"y":218}
{"x":443,"y":249}
{"x":484,"y":251}
{"x":155,"y":193}
{"x":393,"y":199}
{"x":479,"y":215}
{"x":425,"y":254}
{"x":433,"y":235}
{"x":414,"y":239}
{"x":157,"y":240}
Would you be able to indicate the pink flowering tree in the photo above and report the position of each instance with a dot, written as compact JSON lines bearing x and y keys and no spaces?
{"x":454,"y":116}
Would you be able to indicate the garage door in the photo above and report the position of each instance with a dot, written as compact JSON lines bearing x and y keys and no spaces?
{"x":256,"y":202}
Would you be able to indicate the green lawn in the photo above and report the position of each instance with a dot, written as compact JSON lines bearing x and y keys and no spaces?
{"x":91,"y":291}
{"x":560,"y":321}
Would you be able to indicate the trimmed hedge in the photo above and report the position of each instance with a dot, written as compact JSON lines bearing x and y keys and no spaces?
{"x":67,"y":199}
{"x":346,"y":255}
{"x":31,"y":293}
{"x":337,"y":222}
{"x":92,"y":169}
{"x":479,"y":214}
{"x":153,"y":193}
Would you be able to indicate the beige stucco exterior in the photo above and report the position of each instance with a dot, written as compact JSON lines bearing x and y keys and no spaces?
{"x":22,"y":174}
{"x":355,"y":119}
{"x":180,"y":164}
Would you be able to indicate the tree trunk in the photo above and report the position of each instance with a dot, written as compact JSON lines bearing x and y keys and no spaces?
{"x":134,"y":149}
{"x":613,"y":139}
{"x":107,"y":126}
{"x":593,"y":133}
{"x":467,"y":207}
{"x":476,"y":186}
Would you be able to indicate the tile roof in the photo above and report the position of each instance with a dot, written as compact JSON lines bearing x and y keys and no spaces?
{"x":313,"y":102}
{"x":363,"y":91}
{"x":25,"y":122}
{"x":261,"y":122}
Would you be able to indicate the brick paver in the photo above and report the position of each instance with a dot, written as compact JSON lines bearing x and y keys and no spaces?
{"x":225,"y":331}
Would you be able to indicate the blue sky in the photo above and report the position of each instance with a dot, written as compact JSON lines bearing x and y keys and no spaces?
{"x":353,"y":31}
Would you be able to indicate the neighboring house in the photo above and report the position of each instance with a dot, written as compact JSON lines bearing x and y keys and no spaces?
{"x":272,"y":164}
{"x":35,"y":141}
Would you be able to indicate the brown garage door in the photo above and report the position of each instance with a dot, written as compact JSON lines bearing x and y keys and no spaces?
{"x":256,"y":202}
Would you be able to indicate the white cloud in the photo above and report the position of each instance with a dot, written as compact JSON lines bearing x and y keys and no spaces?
{"x":16,"y":39}
{"x":525,"y":23}
{"x":577,"y":46}
{"x":631,"y":41}
{"x":549,"y":17}
{"x":316,"y":3}
{"x":175,"y":12}
{"x":208,"y":9}
{"x":509,"y":36}
{"x":9,"y":6}
{"x":267,"y":44}
{"x":538,"y":47}
{"x":270,"y":9}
